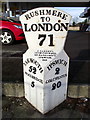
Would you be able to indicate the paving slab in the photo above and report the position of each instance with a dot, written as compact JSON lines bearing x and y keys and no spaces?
{"x":20,"y":108}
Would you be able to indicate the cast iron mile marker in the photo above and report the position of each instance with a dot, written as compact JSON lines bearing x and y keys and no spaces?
{"x":45,"y":62}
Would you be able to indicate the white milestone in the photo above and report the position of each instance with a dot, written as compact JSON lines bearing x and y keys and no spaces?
{"x":45,"y":63}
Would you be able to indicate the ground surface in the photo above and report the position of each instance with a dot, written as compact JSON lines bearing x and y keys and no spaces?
{"x":20,"y":108}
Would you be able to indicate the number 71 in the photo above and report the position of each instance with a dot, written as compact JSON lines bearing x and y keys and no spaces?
{"x":43,"y":36}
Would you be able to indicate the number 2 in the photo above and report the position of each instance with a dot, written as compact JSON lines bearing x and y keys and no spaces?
{"x":57,"y":70}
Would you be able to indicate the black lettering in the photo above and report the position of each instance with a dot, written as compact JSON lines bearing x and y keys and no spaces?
{"x":27,"y":17}
{"x":43,"y":36}
{"x":47,"y":19}
{"x":48,"y":12}
{"x":32,"y":14}
{"x":24,"y":64}
{"x":41,"y":71}
{"x":51,"y":40}
{"x":34,"y":27}
{"x":48,"y":26}
{"x":25,"y":26}
{"x":38,"y":65}
{"x":48,"y":68}
{"x":65,"y":63}
{"x":59,"y":14}
{"x":64,"y":16}
{"x":27,"y":61}
{"x":34,"y":70}
{"x":57,"y":70}
{"x":35,"y":78}
{"x":65,"y":26}
{"x":54,"y":13}
{"x":56,"y":61}
{"x":30,"y":69}
{"x":53,"y":86}
{"x":40,"y":68}
{"x":41,"y":27}
{"x":36,"y":13}
{"x":43,"y":18}
{"x":31,"y":60}
{"x":58,"y":84}
{"x":41,"y":12}
{"x":57,"y":27}
{"x":32,"y":84}
{"x":62,"y":61}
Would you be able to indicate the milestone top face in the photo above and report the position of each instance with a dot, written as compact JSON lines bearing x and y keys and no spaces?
{"x":45,"y":28}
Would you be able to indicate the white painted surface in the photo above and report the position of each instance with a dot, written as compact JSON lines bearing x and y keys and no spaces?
{"x":45,"y":62}
{"x":54,"y":22}
{"x":46,"y":90}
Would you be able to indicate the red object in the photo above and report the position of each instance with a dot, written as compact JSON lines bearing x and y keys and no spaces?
{"x":10,"y":25}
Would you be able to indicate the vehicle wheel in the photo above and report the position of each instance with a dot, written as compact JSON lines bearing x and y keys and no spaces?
{"x":6,"y":37}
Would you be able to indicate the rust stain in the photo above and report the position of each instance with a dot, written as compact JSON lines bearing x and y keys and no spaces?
{"x":60,"y":37}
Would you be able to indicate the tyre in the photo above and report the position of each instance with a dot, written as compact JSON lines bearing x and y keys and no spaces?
{"x":6,"y":37}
